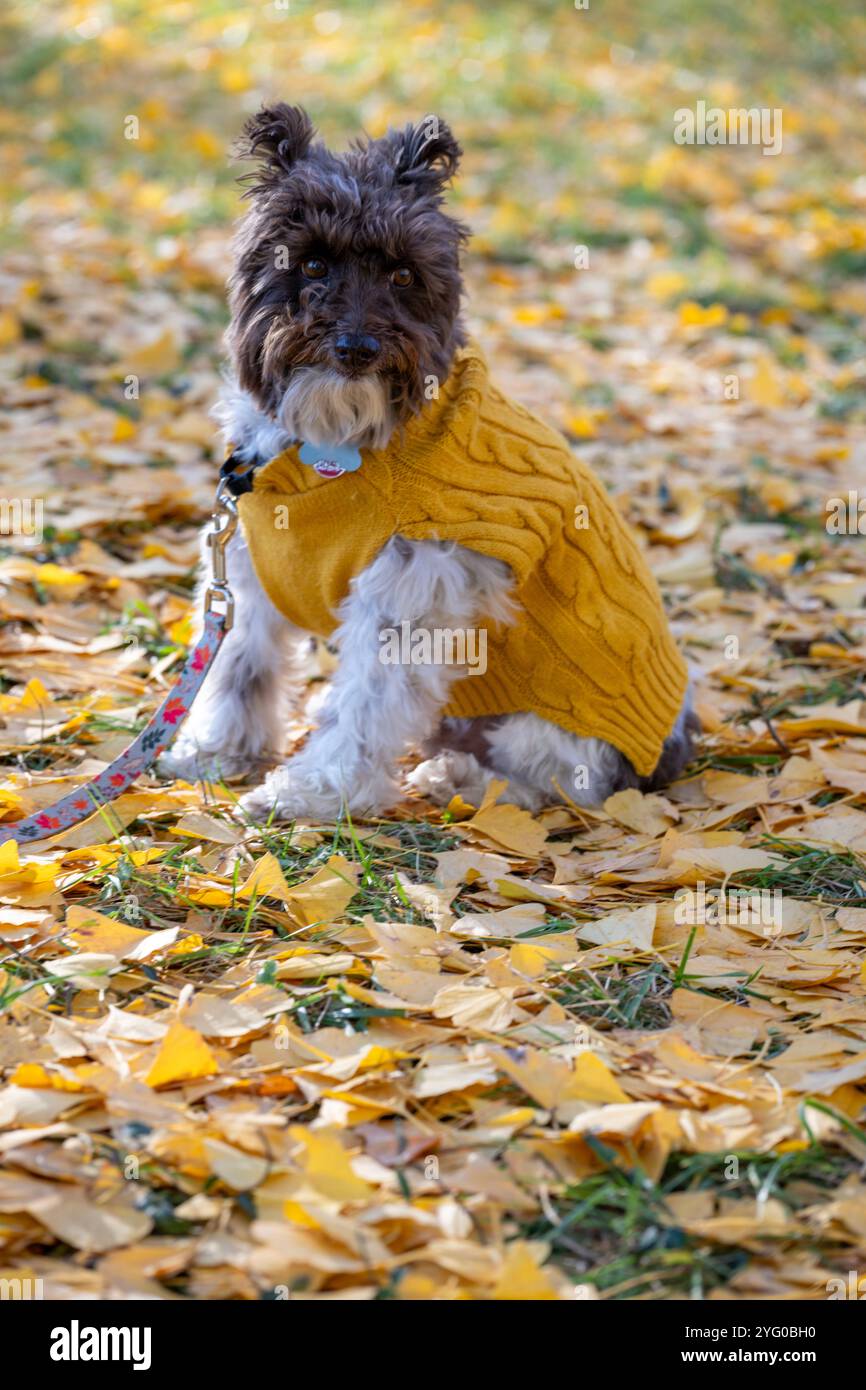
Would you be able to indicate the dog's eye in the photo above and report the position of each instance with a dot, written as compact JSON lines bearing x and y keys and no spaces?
{"x":314,"y":268}
{"x":402,"y":277}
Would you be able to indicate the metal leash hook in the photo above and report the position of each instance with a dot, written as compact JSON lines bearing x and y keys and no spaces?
{"x":225,"y":523}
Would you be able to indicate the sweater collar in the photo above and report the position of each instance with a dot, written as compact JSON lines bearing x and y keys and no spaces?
{"x":447,"y":412}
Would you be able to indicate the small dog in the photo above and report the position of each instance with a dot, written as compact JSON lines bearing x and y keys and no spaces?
{"x":345,"y":299}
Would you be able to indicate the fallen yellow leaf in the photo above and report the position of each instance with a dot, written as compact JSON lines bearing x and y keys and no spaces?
{"x":183,"y":1056}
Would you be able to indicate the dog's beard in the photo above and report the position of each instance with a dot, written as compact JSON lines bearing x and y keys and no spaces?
{"x":323,"y":407}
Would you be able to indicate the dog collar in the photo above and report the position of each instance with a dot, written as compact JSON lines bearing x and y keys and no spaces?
{"x":331,"y":461}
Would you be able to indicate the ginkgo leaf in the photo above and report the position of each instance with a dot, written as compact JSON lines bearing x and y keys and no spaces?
{"x":506,"y":825}
{"x":266,"y":880}
{"x":629,"y":927}
{"x":522,"y":1277}
{"x":35,"y":1074}
{"x":621,"y":1121}
{"x":651,"y":815}
{"x":183,"y":1056}
{"x":505,"y":924}
{"x":536,"y":958}
{"x":238,"y":1170}
{"x":688,"y":866}
{"x":91,"y":1226}
{"x":552,"y":1081}
{"x":327,"y":1166}
{"x":94,"y":931}
{"x":86,"y":969}
{"x":325,"y":896}
{"x":473,"y":1004}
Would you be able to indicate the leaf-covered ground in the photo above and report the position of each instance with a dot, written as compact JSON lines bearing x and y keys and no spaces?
{"x":476,"y":1055}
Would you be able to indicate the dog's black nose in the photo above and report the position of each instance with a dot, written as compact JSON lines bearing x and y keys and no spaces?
{"x":356,"y":349}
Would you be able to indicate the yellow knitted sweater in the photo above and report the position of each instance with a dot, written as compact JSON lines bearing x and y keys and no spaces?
{"x":590,"y":649}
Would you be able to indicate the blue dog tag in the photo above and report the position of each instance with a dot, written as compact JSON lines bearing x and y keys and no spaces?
{"x":331,"y":461}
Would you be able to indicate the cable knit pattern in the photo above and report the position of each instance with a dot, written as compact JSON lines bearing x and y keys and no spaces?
{"x":590,"y":650}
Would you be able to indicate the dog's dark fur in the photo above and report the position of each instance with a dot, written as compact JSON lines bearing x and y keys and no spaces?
{"x":364,"y":213}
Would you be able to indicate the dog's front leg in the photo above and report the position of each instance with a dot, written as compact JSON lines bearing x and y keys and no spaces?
{"x":237,"y":722}
{"x":377,"y":707}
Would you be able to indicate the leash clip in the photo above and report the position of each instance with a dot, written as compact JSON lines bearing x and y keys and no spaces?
{"x":225,"y":523}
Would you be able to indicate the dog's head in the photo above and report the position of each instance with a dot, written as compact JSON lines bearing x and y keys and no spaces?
{"x":346,"y":287}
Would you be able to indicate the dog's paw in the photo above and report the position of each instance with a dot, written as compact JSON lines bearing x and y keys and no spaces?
{"x":299,"y":791}
{"x":454,"y":773}
{"x":450,"y":774}
{"x":186,"y":761}
{"x":287,"y":795}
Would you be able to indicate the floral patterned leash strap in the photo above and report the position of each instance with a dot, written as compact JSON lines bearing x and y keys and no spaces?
{"x":159,"y":732}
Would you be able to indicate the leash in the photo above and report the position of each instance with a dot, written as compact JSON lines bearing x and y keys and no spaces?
{"x":159,"y":732}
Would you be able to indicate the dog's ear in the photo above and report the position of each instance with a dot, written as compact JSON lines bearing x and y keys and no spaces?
{"x":427,"y":155}
{"x":277,"y":136}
